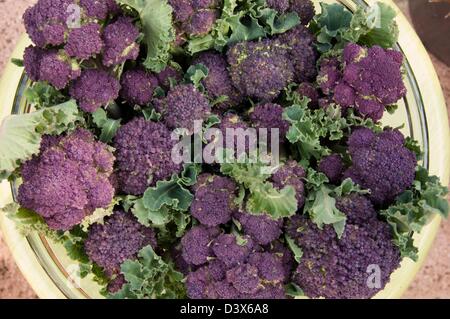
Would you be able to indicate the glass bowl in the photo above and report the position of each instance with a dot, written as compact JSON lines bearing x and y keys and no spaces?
{"x":52,"y":274}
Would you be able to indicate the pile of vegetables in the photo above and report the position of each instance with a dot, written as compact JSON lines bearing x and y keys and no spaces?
{"x":112,"y":82}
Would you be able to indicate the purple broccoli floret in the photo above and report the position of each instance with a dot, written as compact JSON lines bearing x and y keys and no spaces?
{"x":120,"y":42}
{"x":279,"y":5}
{"x":196,"y":244}
{"x":244,"y":278}
{"x":45,"y":22}
{"x":340,"y":268}
{"x":333,"y":167}
{"x":214,"y":200}
{"x":301,"y":53}
{"x":218,"y":82}
{"x":270,"y":267}
{"x":169,"y":73}
{"x":138,"y":86}
{"x":270,"y":116}
{"x":381,"y":163}
{"x":229,"y":251}
{"x":120,"y":238}
{"x":68,"y":180}
{"x":99,"y":9}
{"x":183,"y":106}
{"x":261,"y":228}
{"x":304,"y":8}
{"x":195,"y":18}
{"x":291,"y":174}
{"x":84,"y":42}
{"x":306,"y":89}
{"x":260,"y":69}
{"x":233,"y":130}
{"x":143,"y":150}
{"x":329,"y":75}
{"x":94,"y":88}
{"x":50,"y":66}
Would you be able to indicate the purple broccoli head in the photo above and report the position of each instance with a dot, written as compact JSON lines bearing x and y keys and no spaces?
{"x":329,"y":75}
{"x":306,"y":89}
{"x":260,"y":228}
{"x":94,"y":88}
{"x":270,"y":116}
{"x":260,"y":69}
{"x":229,"y":251}
{"x":304,"y":9}
{"x":99,"y":9}
{"x":333,"y":167}
{"x":196,"y":244}
{"x":381,"y":163}
{"x":214,"y":200}
{"x":339,"y":268}
{"x":84,"y":42}
{"x":138,"y":86}
{"x":68,"y":180}
{"x":169,"y":73}
{"x":244,"y":278}
{"x":46,"y":21}
{"x":143,"y":151}
{"x":120,"y":238}
{"x":218,"y":82}
{"x":183,"y":106}
{"x":120,"y":42}
{"x":291,"y":174}
{"x":50,"y":66}
{"x":301,"y":53}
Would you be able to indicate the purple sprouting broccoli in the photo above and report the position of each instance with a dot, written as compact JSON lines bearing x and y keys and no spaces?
{"x":333,"y":167}
{"x":291,"y":174}
{"x":228,"y":250}
{"x":238,"y":268}
{"x":46,"y":21}
{"x":94,"y":88}
{"x":116,"y":284}
{"x":214,"y":198}
{"x":340,"y":268}
{"x":51,"y":66}
{"x":381,"y":163}
{"x":165,"y":76}
{"x":301,"y":53}
{"x":99,"y":9}
{"x":329,"y":75}
{"x":218,"y":82}
{"x":196,"y":244}
{"x":68,"y":180}
{"x":120,"y":238}
{"x":308,"y":90}
{"x":285,"y":254}
{"x":233,"y":130}
{"x":138,"y":86}
{"x":182,"y":106}
{"x":84,"y":42}
{"x":120,"y":42}
{"x":261,"y":228}
{"x":270,"y":116}
{"x":260,"y":69}
{"x":195,"y":17}
{"x":367,"y":79}
{"x":304,"y":8}
{"x":143,"y":151}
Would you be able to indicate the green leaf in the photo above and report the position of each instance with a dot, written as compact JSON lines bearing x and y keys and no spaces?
{"x":150,"y":277}
{"x":414,"y":208}
{"x":159,"y":33}
{"x":17,"y":62}
{"x":195,"y":75}
{"x":414,"y":147}
{"x":296,"y":250}
{"x":42,"y":94}
{"x":293,"y":290}
{"x":107,"y":126}
{"x":321,"y":207}
{"x":20,"y":135}
{"x":347,"y":187}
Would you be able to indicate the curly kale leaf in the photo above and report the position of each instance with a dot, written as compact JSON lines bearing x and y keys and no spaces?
{"x":41,"y":95}
{"x":262,"y":196}
{"x":335,"y":26}
{"x":159,"y":34}
{"x":414,"y":208}
{"x":243,"y":21}
{"x":150,"y":277}
{"x":167,"y":202}
{"x":20,"y":135}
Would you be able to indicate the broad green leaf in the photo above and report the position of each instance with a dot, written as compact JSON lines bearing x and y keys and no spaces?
{"x":108,"y":127}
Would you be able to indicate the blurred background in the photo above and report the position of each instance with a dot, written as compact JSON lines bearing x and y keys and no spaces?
{"x":431,"y":20}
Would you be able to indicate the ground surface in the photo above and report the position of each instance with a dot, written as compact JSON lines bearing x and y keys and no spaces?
{"x":433,"y":281}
